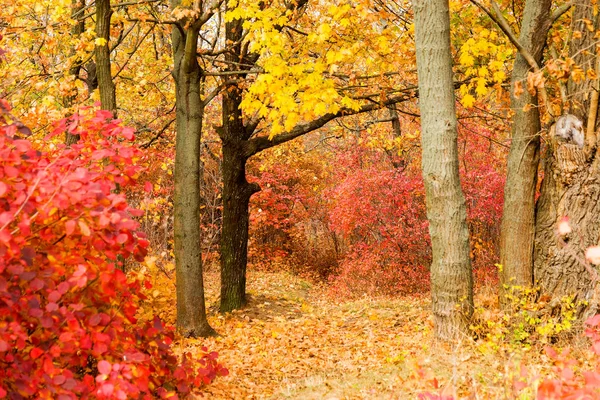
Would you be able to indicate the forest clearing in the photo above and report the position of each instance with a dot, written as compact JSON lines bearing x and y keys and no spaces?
{"x":298,"y":199}
{"x":294,"y":340}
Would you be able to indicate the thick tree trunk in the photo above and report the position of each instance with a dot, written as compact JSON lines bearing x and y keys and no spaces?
{"x":106,"y":86}
{"x":191,"y":309}
{"x":518,"y":218}
{"x":571,"y":188}
{"x":451,"y":275}
{"x":236,"y":189}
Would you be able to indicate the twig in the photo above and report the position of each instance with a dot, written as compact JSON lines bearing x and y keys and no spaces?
{"x":158,"y":135}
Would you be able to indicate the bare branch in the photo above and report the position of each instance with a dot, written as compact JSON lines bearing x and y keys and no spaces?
{"x":158,"y":135}
{"x":560,"y":11}
{"x":218,"y":90}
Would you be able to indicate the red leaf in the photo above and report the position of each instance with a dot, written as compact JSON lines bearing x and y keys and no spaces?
{"x":11,"y":171}
{"x":70,"y":227}
{"x":5,"y":236}
{"x":550,"y":352}
{"x":104,"y":367}
{"x":95,"y":320}
{"x":147,"y":187}
{"x":592,"y":379}
{"x":103,"y":221}
{"x":36,"y":352}
{"x":107,"y":389}
{"x":128,"y":133}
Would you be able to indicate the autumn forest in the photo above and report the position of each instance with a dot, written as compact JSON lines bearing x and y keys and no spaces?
{"x":298,"y":199}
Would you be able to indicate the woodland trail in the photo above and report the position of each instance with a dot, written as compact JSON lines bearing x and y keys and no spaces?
{"x":295,"y":340}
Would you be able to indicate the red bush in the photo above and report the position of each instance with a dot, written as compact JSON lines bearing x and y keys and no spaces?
{"x":67,"y":314}
{"x":382,"y":214}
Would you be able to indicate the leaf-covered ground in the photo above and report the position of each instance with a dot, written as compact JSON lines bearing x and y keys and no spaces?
{"x":295,"y":341}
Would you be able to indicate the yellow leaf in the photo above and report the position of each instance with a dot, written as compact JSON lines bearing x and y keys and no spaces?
{"x":468,"y":101}
{"x":100,"y":42}
{"x":466,"y":59}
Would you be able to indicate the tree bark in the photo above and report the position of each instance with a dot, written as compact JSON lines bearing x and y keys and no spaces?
{"x":582,"y":51}
{"x":571,"y":189}
{"x":106,"y":85}
{"x":234,"y":237}
{"x":518,"y":218}
{"x":191,"y":309}
{"x":76,"y":8}
{"x":451,"y":275}
{"x":236,"y":189}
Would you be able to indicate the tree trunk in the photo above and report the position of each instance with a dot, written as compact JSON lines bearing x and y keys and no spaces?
{"x":451,"y":275}
{"x":106,"y":86}
{"x":191,"y":309}
{"x":571,"y":188}
{"x":236,"y":189}
{"x":518,"y":218}
{"x":77,"y":7}
{"x":234,"y":236}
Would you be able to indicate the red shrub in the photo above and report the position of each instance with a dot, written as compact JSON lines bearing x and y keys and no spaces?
{"x":67,"y":315}
{"x":483,"y":177}
{"x":382,"y":215}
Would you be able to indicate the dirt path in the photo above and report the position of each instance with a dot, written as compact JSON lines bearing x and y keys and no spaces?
{"x":295,"y":341}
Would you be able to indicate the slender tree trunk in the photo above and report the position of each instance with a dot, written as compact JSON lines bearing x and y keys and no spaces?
{"x":106,"y":86}
{"x":191,"y":309}
{"x":518,"y":219}
{"x":76,"y":8}
{"x":236,"y":189}
{"x":451,"y":275}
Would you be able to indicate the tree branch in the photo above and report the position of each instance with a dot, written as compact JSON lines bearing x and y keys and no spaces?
{"x":258,"y":144}
{"x":158,"y":135}
{"x":560,"y":11}
{"x":499,"y":19}
{"x":217,"y":90}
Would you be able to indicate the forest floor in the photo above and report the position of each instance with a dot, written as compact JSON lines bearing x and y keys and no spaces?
{"x":294,"y":340}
